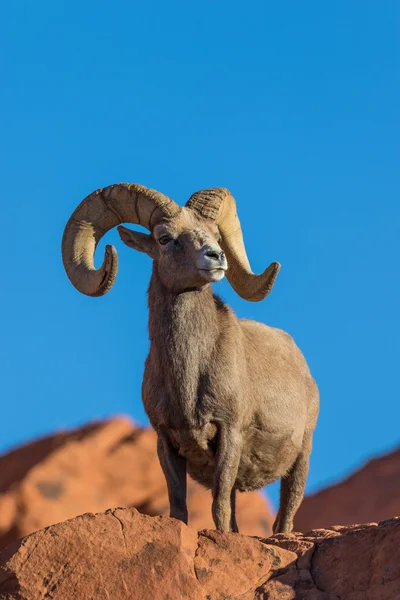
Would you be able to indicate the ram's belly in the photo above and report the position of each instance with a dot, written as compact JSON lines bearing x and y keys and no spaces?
{"x":264,"y":459}
{"x":255,"y":472}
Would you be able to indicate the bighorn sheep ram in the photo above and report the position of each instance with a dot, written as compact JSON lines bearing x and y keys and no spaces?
{"x":232,"y":401}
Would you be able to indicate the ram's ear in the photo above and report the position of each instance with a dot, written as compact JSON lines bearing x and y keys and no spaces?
{"x":138,"y":241}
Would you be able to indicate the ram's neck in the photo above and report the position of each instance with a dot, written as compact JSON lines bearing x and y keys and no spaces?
{"x":184,"y":330}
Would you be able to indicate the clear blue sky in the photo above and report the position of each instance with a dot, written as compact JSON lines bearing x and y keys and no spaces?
{"x":293,"y":106}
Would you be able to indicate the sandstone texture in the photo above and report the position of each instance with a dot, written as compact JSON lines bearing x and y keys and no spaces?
{"x":371,"y":494}
{"x":122,"y":554}
{"x":100,"y":466}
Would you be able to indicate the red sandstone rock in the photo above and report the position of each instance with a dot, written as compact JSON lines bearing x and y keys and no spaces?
{"x":122,"y":554}
{"x":348,"y":563}
{"x":371,"y":494}
{"x":232,"y":566}
{"x":100,"y":466}
{"x":117,"y":554}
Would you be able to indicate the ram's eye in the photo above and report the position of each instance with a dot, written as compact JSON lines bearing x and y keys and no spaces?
{"x":164,"y":239}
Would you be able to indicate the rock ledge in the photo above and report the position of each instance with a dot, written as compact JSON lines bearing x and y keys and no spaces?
{"x":122,"y":554}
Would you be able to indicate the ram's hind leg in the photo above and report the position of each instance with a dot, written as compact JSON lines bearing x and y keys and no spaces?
{"x":292,"y":490}
{"x":174,"y":468}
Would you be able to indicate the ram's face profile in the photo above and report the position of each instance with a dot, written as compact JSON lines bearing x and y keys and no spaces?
{"x":192,"y":245}
{"x":186,"y":249}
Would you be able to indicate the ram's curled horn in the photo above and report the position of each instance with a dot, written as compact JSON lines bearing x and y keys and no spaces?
{"x":218,"y":204}
{"x":98,"y":213}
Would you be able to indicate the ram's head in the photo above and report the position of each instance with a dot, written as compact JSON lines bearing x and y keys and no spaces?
{"x":192,"y":245}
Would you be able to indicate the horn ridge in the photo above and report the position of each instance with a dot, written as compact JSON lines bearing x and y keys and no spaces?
{"x":219,"y":204}
{"x":99,"y":212}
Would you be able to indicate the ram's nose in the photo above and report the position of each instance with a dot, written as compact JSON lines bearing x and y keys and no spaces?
{"x":211,"y":257}
{"x":218,"y":255}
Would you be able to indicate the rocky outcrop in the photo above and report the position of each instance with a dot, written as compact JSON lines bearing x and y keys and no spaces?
{"x":122,"y":554}
{"x":102,"y":465}
{"x":125,"y":554}
{"x":370,"y":494}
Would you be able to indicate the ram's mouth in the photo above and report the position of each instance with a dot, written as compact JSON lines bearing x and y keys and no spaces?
{"x":214,"y":269}
{"x":215,"y":274}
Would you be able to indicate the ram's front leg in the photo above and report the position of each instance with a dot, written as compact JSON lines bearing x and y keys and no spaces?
{"x":174,"y":467}
{"x":229,"y":449}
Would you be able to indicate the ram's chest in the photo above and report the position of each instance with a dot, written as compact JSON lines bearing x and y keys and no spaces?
{"x":189,"y":413}
{"x":179,"y":395}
